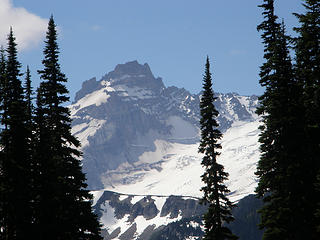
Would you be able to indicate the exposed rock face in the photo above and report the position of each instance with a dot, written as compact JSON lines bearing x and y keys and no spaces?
{"x":137,"y":217}
{"x":129,"y":217}
{"x":185,"y":207}
{"x":88,"y":86}
{"x":120,"y":117}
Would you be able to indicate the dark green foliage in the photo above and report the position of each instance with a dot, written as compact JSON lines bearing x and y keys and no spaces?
{"x":307,"y":49}
{"x":2,"y":92}
{"x":3,"y":80}
{"x":28,"y":95}
{"x":276,"y":138}
{"x":29,"y":114}
{"x":42,"y":187}
{"x":215,"y":192}
{"x":247,"y":218}
{"x":15,"y":165}
{"x":30,"y":151}
{"x":64,"y":205}
{"x":282,"y":169}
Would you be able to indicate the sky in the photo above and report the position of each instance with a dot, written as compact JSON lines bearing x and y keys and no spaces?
{"x":172,"y":36}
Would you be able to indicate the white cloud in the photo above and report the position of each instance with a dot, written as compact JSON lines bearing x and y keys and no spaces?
{"x":28,"y":28}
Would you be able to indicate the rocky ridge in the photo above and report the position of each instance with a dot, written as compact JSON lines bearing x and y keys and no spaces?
{"x":129,"y":217}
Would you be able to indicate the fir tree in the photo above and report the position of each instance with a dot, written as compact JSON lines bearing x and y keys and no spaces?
{"x":15,"y":187}
{"x":30,"y":142}
{"x":2,"y":92}
{"x":2,"y":80}
{"x":215,"y":192}
{"x":28,"y":95}
{"x":64,"y":206}
{"x":281,"y":153}
{"x":307,"y":49}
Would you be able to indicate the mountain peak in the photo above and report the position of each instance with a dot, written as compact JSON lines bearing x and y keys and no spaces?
{"x":133,"y":68}
{"x":131,"y":74}
{"x":134,"y":74}
{"x":131,"y":125}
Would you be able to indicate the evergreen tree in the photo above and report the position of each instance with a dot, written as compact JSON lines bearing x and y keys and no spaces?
{"x":307,"y":49}
{"x":2,"y":92}
{"x":30,"y":142}
{"x":15,"y":167}
{"x":64,"y":205}
{"x":28,"y":95}
{"x":215,"y":192}
{"x":279,"y":168}
{"x":2,"y":79}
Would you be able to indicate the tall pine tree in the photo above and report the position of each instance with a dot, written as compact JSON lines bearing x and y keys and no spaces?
{"x":15,"y":167}
{"x":28,"y":94}
{"x":64,"y":204}
{"x":3,"y":79}
{"x":279,"y":168}
{"x":215,"y":192}
{"x":30,"y":143}
{"x":2,"y":92}
{"x":307,"y":49}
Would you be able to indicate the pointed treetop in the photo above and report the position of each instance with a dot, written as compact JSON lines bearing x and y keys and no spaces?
{"x":11,"y":40}
{"x":52,"y":47}
{"x":28,"y":81}
{"x":13,"y":65}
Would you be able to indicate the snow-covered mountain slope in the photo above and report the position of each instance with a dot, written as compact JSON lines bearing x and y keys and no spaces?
{"x":137,"y":134}
{"x":175,"y":168}
{"x":155,"y":194}
{"x":140,"y":139}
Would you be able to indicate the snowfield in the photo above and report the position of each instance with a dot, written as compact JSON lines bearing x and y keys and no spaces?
{"x":180,"y":167}
{"x":179,"y":174}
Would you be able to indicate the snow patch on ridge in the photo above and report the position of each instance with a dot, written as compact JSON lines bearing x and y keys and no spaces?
{"x":95,"y":98}
{"x":84,"y":130}
{"x":96,"y":195}
{"x":159,"y":202}
{"x":134,"y":93}
{"x":111,"y":222}
{"x":108,"y":219}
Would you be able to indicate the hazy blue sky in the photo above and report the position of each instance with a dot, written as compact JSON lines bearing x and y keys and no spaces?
{"x":172,"y":36}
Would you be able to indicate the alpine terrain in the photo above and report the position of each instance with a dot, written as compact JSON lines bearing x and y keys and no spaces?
{"x":140,"y":143}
